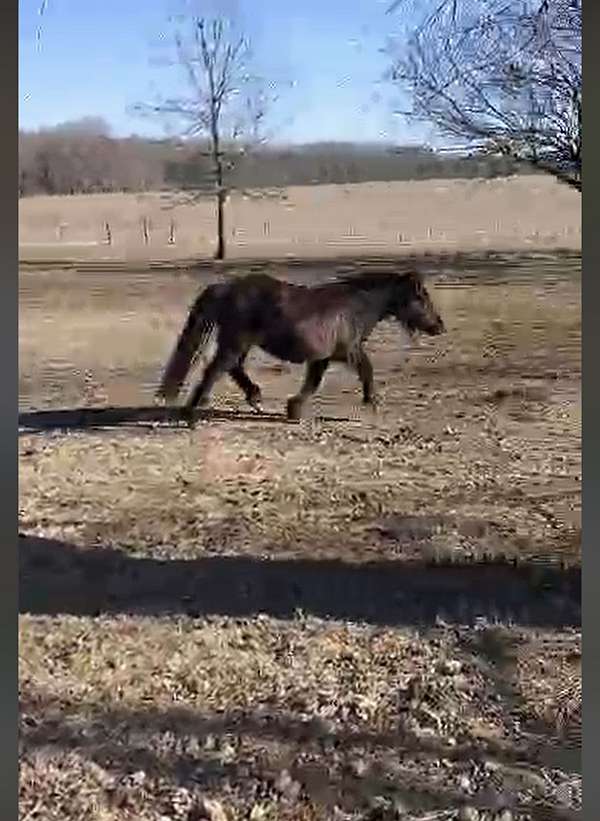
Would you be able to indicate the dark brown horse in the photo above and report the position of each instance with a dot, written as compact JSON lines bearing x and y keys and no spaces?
{"x":316,"y":325}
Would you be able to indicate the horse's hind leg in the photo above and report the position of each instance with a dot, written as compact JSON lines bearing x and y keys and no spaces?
{"x":312,"y":380}
{"x":221,"y":363}
{"x":242,"y":380}
{"x":364,"y":369}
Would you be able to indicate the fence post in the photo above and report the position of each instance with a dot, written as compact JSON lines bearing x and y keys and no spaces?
{"x":145,"y":230}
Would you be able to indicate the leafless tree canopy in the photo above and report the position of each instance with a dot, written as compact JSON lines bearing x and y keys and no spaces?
{"x":222,"y":102}
{"x":71,"y":159}
{"x":81,"y":157}
{"x":503,"y":75}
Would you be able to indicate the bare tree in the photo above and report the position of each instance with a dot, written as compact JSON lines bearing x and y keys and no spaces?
{"x":224,"y":102}
{"x":504,"y":75}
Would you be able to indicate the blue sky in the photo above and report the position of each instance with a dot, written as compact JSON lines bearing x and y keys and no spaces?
{"x":97,"y":58}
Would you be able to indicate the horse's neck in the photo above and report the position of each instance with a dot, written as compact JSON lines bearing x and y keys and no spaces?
{"x":381,"y":304}
{"x":375,"y":305}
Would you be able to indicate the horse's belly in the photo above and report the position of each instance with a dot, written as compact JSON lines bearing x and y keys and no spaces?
{"x":309,"y":340}
{"x":287,"y":350}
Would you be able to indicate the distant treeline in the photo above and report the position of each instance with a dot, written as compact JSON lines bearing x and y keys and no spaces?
{"x":82,"y":158}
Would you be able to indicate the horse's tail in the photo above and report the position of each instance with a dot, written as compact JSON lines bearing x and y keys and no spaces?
{"x":193,"y":339}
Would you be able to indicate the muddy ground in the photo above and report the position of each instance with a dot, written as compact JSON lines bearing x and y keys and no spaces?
{"x":358,"y":616}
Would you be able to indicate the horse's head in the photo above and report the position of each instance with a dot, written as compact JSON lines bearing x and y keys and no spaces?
{"x":412,"y":306}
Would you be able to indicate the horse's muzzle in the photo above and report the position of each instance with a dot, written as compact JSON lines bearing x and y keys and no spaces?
{"x":437,"y":327}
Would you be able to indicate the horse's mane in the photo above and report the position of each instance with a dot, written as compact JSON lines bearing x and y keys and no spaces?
{"x":372,"y":280}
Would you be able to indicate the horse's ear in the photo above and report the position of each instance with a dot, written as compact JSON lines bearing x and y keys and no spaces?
{"x":413,"y":278}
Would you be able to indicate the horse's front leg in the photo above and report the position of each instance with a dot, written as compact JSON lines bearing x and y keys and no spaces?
{"x":312,"y":379}
{"x":250,"y":389}
{"x":364,"y":369}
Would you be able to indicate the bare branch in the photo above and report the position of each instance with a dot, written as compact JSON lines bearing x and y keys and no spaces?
{"x":506,"y":74}
{"x":212,"y":64}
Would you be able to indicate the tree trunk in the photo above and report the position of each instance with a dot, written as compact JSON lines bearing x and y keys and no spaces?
{"x":218,"y":161}
{"x":220,"y":252}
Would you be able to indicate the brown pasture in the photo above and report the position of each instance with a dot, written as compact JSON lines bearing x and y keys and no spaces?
{"x":262,"y":620}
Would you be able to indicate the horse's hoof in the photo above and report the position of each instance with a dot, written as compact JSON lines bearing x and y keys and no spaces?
{"x":373,"y":404}
{"x":294,"y":409}
{"x":255,"y":401}
{"x":189,"y":417}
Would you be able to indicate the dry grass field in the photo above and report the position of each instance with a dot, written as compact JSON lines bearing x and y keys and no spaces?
{"x":530,"y":212}
{"x":354,"y":617}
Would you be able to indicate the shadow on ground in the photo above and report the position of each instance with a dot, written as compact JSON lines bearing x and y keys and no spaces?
{"x":58,"y":577}
{"x":494,"y":653}
{"x":111,"y":417}
{"x":122,"y":741}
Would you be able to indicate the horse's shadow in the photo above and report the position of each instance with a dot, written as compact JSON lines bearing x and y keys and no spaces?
{"x":57,"y":577}
{"x":89,"y":418}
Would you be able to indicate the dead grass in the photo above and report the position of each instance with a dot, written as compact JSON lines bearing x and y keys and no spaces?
{"x":225,"y":708}
{"x":150,"y":684}
{"x":517,"y":213}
